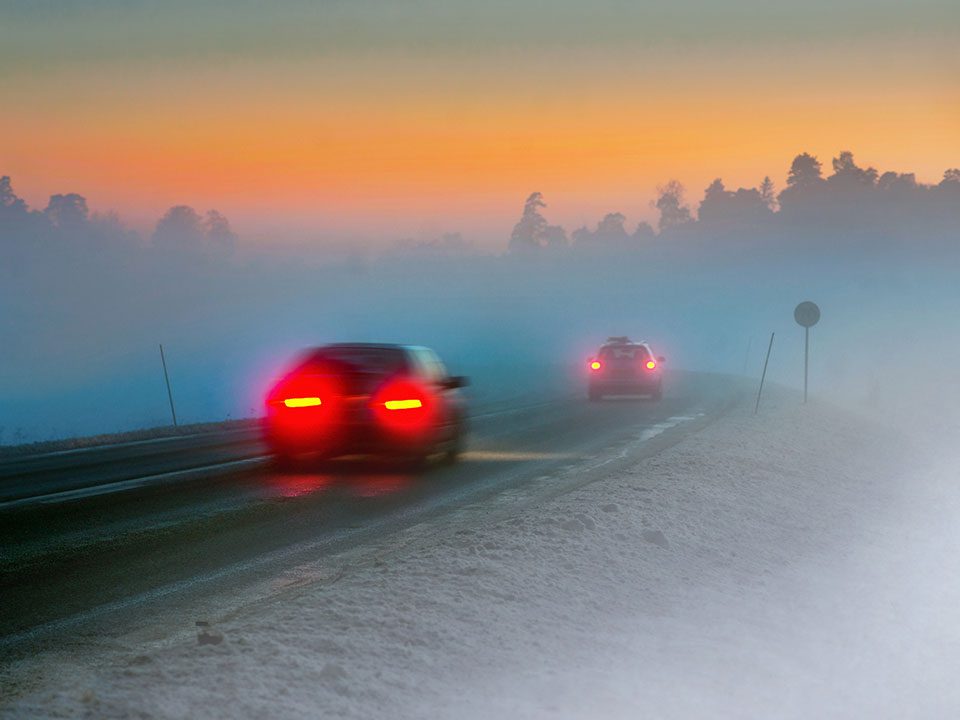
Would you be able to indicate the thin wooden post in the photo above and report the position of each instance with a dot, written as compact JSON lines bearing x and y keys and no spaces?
{"x":764,"y":375}
{"x":166,"y":377}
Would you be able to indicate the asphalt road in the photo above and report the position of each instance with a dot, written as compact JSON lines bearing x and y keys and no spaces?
{"x":74,"y":567}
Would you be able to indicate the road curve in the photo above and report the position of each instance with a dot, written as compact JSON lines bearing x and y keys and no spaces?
{"x":92,"y":562}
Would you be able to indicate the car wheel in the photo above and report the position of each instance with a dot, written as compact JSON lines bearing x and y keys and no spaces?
{"x":452,"y":452}
{"x":283,"y":462}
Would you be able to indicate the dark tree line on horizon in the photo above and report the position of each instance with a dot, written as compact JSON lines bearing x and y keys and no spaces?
{"x":850,"y":200}
{"x":851,"y":197}
{"x":67,"y":218}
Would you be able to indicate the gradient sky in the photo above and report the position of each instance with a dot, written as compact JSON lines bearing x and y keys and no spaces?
{"x":377,"y":119}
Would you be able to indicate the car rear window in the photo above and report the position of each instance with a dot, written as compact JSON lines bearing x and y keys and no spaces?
{"x":623,"y":353}
{"x":372,"y":360}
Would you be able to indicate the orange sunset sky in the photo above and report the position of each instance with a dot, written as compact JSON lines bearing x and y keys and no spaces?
{"x":384,"y":120}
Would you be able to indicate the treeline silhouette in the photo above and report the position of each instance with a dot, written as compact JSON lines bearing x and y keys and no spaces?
{"x":855,"y":202}
{"x":67,"y":224}
{"x":852,"y":201}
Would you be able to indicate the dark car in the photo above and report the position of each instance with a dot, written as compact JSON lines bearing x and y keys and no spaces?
{"x":624,"y":367}
{"x":389,"y":400}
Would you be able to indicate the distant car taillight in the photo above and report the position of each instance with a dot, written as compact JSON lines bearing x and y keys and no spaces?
{"x":595,"y":365}
{"x":651,"y":365}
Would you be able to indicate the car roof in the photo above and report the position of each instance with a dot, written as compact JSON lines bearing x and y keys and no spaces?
{"x":622,"y":341}
{"x":372,"y":346}
{"x":379,"y":346}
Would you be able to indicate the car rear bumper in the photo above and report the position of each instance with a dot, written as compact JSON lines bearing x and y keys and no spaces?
{"x":631,"y":386}
{"x":340,"y":440}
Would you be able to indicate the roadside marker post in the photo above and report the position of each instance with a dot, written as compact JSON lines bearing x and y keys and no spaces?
{"x":764,"y":375}
{"x":166,"y":377}
{"x":807,"y":314}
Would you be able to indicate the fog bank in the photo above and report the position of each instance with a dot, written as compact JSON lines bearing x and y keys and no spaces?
{"x":86,"y":301}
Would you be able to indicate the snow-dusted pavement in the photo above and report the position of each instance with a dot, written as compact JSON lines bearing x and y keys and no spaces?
{"x":800,"y":564}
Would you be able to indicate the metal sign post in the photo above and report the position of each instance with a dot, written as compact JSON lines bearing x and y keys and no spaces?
{"x":807,"y":314}
{"x":166,"y":377}
{"x":764,"y":375}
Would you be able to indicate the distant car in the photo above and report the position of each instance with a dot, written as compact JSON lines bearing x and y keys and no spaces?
{"x":624,"y":367}
{"x":389,"y":400}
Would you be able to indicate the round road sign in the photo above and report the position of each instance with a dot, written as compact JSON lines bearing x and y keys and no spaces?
{"x":806,"y":314}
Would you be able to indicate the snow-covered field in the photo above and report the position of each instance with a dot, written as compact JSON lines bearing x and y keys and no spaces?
{"x":799,"y":564}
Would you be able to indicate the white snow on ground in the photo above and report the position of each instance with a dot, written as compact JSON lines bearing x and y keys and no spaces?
{"x":800,"y":564}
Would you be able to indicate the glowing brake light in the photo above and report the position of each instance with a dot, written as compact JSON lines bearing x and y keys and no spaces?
{"x":651,"y":364}
{"x":304,"y":405}
{"x":302,"y":402}
{"x":595,"y":365}
{"x":403,"y":404}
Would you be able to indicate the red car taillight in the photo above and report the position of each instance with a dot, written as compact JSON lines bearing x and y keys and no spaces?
{"x":595,"y":365}
{"x":302,"y":404}
{"x":651,"y":365}
{"x":411,"y":404}
{"x":403,"y":406}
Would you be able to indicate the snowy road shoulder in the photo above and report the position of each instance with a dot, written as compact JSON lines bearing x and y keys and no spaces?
{"x":796,"y":564}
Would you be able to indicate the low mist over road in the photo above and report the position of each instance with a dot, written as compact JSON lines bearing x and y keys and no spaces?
{"x":86,"y":300}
